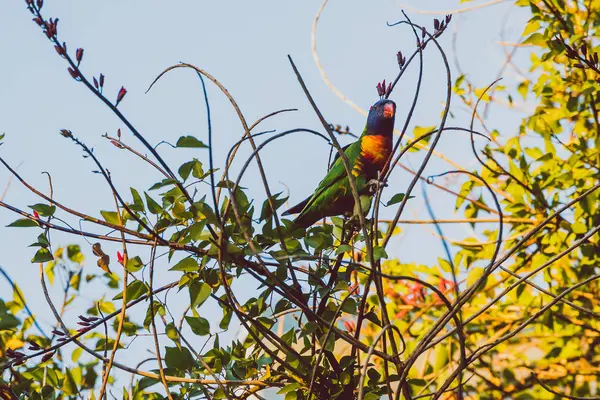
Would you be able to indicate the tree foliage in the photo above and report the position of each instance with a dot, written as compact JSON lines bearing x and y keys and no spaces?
{"x":513,"y":316}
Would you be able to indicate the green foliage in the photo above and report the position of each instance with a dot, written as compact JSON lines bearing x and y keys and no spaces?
{"x":310,"y":290}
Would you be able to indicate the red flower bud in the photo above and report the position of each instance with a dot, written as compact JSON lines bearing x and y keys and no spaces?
{"x":38,"y":21}
{"x":120,"y":257}
{"x":35,"y":214}
{"x":101,"y":80}
{"x":79,"y":55}
{"x":66,"y":133}
{"x":60,"y":50}
{"x":74,"y":73}
{"x":121,"y":94}
{"x":33,"y":345}
{"x":48,"y":356}
{"x":350,"y":326}
{"x":29,"y":2}
{"x":95,"y":83}
{"x":40,"y":3}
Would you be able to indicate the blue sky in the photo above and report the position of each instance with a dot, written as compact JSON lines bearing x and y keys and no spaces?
{"x":244,"y":45}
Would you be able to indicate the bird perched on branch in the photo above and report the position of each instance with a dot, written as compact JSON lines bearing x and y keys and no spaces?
{"x":366,"y":158}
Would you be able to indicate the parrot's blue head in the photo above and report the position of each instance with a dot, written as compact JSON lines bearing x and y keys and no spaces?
{"x":381,"y":118}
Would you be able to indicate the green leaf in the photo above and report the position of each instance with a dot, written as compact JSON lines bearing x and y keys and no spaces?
{"x":42,"y":241}
{"x":288,"y":388}
{"x":135,"y":290}
{"x":74,"y":253}
{"x":69,"y":386}
{"x":350,"y":306}
{"x":138,"y":204}
{"x":227,"y":314}
{"x":23,"y":223}
{"x":379,"y":253}
{"x":291,"y":396}
{"x":111,"y":217}
{"x":199,"y":292}
{"x":266,"y":211}
{"x":190,"y":141}
{"x":134,"y":264}
{"x":179,"y":358}
{"x":188,"y":264}
{"x":344,"y":248}
{"x":171,"y":332}
{"x":42,"y":255}
{"x":153,"y":206}
{"x":186,"y":169}
{"x":199,"y":325}
{"x":537,"y":39}
{"x":397,"y":198}
{"x":163,"y":183}
{"x":8,"y":322}
{"x":43,"y":209}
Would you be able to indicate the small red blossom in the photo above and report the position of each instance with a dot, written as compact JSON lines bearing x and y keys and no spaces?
{"x":60,"y":50}
{"x":121,"y":94}
{"x":66,"y":133}
{"x":409,"y":300}
{"x":414,"y":297}
{"x":38,"y":21}
{"x":350,"y":326}
{"x":117,"y":144}
{"x":51,"y":28}
{"x":95,"y":83}
{"x":48,"y":356}
{"x":79,"y":55}
{"x":444,"y":286}
{"x":101,"y":80}
{"x":382,"y":89}
{"x":33,"y":345}
{"x":40,"y":3}
{"x":74,"y":73}
{"x":35,"y":214}
{"x":120,"y":258}
{"x":401,"y":59}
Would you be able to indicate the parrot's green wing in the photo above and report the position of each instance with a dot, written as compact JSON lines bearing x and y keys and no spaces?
{"x":333,"y":195}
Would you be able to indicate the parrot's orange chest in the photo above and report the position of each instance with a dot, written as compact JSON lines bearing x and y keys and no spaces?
{"x":376,"y":149}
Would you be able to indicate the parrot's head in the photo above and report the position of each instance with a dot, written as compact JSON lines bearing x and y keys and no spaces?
{"x":381,"y":118}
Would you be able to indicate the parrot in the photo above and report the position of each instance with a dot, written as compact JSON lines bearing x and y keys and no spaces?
{"x":366,"y":158}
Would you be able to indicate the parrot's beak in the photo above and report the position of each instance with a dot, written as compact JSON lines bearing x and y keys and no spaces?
{"x":388,"y":110}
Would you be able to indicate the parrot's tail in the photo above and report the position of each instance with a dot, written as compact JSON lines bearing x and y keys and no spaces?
{"x":297,"y":208}
{"x":306,"y":220}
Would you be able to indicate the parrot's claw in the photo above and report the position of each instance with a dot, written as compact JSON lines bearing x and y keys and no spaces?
{"x":374,"y":185}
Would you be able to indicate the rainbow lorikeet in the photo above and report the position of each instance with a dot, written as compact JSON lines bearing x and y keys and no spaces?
{"x":367,"y":156}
